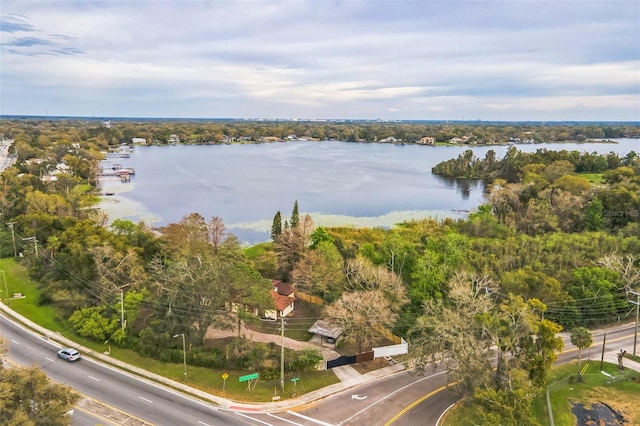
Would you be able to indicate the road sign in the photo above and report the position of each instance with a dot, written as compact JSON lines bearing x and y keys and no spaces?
{"x":248,"y":377}
{"x":295,"y":379}
{"x":225,"y":376}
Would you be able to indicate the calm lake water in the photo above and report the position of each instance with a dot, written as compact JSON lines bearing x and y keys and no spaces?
{"x":337,"y":183}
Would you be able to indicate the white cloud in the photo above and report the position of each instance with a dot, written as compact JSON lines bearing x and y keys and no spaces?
{"x":498,"y":60}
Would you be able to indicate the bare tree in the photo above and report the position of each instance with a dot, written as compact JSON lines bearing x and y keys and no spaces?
{"x":362,"y":316}
{"x":216,"y":232}
{"x":625,"y":266}
{"x":450,"y":333}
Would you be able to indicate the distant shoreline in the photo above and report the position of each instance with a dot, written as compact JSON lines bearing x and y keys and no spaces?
{"x":312,"y":120}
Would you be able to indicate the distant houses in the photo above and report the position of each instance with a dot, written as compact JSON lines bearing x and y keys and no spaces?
{"x":427,"y":140}
{"x":390,"y":139}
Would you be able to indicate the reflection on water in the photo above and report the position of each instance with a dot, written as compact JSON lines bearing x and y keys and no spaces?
{"x":343,"y":184}
{"x":464,"y":187}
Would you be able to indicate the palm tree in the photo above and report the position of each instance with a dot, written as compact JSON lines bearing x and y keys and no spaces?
{"x":581,"y":338}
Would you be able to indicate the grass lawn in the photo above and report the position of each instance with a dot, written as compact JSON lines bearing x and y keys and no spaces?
{"x":210,"y":380}
{"x":621,"y":393}
{"x":17,"y":281}
{"x":595,"y":178}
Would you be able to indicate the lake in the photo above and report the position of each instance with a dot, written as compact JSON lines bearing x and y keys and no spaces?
{"x":337,"y":183}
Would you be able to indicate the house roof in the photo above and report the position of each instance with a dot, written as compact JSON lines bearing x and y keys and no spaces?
{"x":323,"y":328}
{"x":281,"y":301}
{"x":283,"y":289}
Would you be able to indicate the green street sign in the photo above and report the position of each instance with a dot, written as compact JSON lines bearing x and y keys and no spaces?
{"x":248,"y":377}
{"x":295,"y":379}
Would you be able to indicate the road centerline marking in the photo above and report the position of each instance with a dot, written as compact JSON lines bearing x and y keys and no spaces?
{"x":390,"y":395}
{"x":145,"y":399}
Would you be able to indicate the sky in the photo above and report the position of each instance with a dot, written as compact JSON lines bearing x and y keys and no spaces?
{"x":515,"y":60}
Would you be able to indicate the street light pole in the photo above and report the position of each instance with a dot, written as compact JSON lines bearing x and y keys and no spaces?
{"x":637,"y":303}
{"x":184,"y":354}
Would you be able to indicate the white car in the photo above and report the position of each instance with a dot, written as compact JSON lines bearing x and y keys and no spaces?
{"x":69,"y":354}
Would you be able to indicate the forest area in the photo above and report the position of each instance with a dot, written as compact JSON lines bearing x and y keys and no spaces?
{"x":553,"y":249}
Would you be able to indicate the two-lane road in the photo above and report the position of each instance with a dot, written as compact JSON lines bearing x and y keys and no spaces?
{"x":427,"y":409}
{"x":401,"y":399}
{"x":143,"y":399}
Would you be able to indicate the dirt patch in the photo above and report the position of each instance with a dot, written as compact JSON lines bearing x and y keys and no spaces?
{"x":598,"y":414}
{"x":367,"y":366}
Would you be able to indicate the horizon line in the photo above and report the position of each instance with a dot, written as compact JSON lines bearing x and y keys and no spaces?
{"x":303,"y":120}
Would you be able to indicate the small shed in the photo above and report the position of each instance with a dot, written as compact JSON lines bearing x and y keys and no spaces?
{"x":326,"y":331}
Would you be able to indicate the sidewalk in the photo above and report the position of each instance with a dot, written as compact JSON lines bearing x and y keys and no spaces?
{"x":350,"y":375}
{"x":612,"y":357}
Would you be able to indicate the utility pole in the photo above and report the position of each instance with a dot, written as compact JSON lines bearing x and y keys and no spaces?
{"x":35,"y":243}
{"x":13,"y":238}
{"x":637,"y":303}
{"x":282,"y":354}
{"x":604,"y":342}
{"x":122,"y":306}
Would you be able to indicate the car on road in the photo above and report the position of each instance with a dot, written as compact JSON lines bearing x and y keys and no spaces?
{"x":69,"y":354}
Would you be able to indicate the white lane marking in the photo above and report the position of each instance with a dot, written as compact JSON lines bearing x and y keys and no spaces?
{"x":49,"y":359}
{"x":302,"y":416}
{"x":203,"y":423}
{"x":255,"y":420}
{"x":284,"y":420}
{"x":94,"y":378}
{"x":15,"y":341}
{"x":390,"y":395}
{"x":145,"y":399}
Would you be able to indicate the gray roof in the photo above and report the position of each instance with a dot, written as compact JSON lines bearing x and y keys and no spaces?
{"x":323,"y":328}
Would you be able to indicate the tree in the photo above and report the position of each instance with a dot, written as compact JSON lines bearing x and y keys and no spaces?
{"x":376,"y":297}
{"x":449,"y":333}
{"x":216,"y":232}
{"x":320,"y":272}
{"x":93,"y":324}
{"x":292,"y":243}
{"x":28,"y":398}
{"x":361,"y":315}
{"x":194,"y":291}
{"x":581,"y":338}
{"x":276,"y":227}
{"x":295,"y":215}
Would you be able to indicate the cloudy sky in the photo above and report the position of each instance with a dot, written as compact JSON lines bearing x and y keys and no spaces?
{"x":388,"y":59}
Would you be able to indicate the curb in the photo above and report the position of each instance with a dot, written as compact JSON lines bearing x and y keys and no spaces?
{"x":262,"y":407}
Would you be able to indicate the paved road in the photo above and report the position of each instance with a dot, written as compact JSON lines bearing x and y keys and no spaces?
{"x":428,"y":410}
{"x":357,"y":401}
{"x":6,"y":160}
{"x":147,"y":402}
